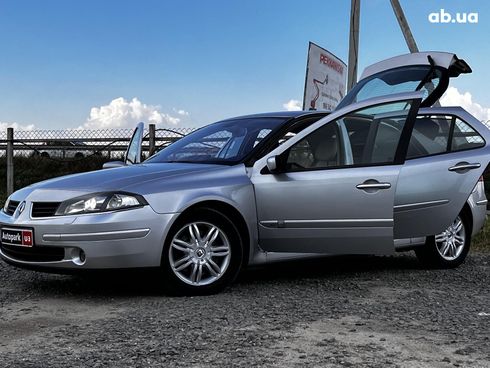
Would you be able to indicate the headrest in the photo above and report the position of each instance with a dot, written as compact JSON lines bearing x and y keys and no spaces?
{"x":427,"y":127}
{"x":327,"y":150}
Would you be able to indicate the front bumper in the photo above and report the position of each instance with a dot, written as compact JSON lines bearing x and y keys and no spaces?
{"x":113,"y":240}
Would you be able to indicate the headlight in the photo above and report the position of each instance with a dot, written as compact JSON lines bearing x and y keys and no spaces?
{"x":100,"y":202}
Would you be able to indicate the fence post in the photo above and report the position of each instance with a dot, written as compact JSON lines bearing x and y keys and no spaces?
{"x":10,"y":161}
{"x":151,"y":140}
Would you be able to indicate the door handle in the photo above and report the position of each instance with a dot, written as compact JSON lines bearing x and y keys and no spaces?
{"x":464,"y":166}
{"x":364,"y":186}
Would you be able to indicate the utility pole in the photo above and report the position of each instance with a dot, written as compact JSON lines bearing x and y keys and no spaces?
{"x":355,"y":9}
{"x":407,"y":33}
{"x":402,"y":21}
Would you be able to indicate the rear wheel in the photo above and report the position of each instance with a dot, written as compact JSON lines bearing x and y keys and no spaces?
{"x":449,"y":248}
{"x":202,"y":254}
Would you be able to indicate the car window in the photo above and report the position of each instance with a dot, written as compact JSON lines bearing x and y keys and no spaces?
{"x":293,"y":130}
{"x":364,"y":138}
{"x":431,"y":135}
{"x":465,"y":137}
{"x":318,"y":150}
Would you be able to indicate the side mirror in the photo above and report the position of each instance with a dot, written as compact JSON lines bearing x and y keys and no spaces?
{"x":272,"y":165}
{"x":113,"y":164}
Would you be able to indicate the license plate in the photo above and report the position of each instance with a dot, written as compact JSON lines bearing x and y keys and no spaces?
{"x":19,"y":237}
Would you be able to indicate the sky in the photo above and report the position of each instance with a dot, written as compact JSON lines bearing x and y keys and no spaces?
{"x":105,"y":64}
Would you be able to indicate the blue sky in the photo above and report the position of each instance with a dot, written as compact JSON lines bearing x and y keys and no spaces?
{"x":213,"y":59}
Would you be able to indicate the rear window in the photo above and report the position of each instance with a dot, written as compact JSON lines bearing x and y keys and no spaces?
{"x":433,"y":135}
{"x":465,"y":137}
{"x":407,"y":79}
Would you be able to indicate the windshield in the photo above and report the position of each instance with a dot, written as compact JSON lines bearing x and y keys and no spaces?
{"x":405,"y":79}
{"x":226,"y":142}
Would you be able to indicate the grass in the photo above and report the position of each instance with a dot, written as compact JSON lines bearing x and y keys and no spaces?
{"x":481,"y":241}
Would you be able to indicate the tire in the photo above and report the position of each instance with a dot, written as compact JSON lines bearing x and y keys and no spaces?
{"x":450,"y":249}
{"x":189,"y":265}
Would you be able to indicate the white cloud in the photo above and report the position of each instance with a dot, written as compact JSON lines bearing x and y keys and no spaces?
{"x":121,"y":113}
{"x":181,"y":112}
{"x":453,"y":97}
{"x":292,"y":105}
{"x":16,"y":126}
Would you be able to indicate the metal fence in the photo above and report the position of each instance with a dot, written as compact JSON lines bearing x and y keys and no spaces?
{"x":79,"y":144}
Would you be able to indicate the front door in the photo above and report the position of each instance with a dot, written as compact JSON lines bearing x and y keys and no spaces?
{"x":335,"y":189}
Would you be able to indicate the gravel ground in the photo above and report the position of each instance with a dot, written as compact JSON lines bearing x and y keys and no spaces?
{"x":347,"y":311}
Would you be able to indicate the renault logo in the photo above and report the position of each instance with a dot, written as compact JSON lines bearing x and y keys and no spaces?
{"x":22,"y":206}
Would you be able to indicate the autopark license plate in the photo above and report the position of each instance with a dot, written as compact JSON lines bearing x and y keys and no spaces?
{"x":19,"y":237}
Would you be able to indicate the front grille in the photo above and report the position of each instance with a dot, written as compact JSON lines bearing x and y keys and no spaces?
{"x":11,"y":207}
{"x":33,"y":254}
{"x":44,"y":209}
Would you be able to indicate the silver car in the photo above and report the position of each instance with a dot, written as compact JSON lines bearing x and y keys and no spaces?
{"x":386,"y":171}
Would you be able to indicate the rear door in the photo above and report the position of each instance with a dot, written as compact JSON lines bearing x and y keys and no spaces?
{"x":447,"y":154}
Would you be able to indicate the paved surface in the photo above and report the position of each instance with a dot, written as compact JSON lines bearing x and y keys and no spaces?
{"x":360,"y":312}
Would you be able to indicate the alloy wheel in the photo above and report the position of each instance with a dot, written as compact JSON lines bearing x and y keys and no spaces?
{"x":199,"y":254}
{"x":450,"y":243}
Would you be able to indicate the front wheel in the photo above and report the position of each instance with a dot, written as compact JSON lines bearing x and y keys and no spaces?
{"x":449,"y":248}
{"x":202,"y":254}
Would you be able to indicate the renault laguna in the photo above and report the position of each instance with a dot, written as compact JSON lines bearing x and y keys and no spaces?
{"x":388,"y":170}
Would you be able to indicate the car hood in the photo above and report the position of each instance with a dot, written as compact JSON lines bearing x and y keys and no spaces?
{"x":122,"y":177}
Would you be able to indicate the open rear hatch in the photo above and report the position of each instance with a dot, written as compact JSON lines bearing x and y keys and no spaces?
{"x":428,"y":72}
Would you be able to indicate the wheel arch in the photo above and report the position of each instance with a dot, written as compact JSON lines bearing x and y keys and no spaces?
{"x":232,"y":213}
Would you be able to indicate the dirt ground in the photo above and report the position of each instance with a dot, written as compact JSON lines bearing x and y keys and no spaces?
{"x":343,"y":311}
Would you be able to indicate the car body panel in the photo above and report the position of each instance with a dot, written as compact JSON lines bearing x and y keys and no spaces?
{"x":319,"y":215}
{"x":477,"y":203}
{"x":445,"y":60}
{"x":97,"y":235}
{"x":120,"y":178}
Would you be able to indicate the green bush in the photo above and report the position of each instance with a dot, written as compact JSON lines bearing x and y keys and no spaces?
{"x":29,"y":170}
